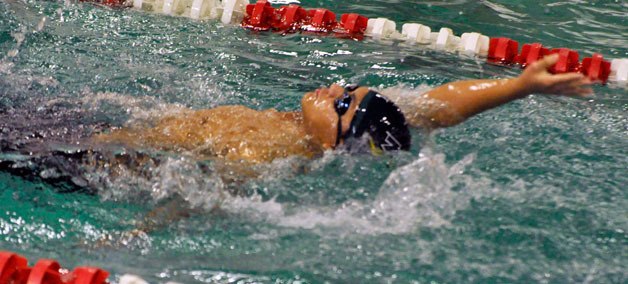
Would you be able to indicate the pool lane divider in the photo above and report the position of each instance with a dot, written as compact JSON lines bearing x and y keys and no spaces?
{"x":14,"y":269}
{"x":262,"y":16}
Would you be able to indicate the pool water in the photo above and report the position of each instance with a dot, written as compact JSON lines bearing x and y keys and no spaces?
{"x":532,"y":192}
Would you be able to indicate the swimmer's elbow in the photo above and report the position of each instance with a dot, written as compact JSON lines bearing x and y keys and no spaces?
{"x":445,"y":120}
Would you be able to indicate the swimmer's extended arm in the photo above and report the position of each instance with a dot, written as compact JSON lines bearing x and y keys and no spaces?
{"x":464,"y":99}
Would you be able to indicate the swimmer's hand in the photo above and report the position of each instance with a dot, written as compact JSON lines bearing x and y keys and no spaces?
{"x":536,"y":79}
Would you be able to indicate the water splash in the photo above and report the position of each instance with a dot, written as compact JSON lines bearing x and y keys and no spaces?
{"x":142,"y":110}
{"x":21,"y":35}
{"x":418,"y":194}
{"x":19,"y":39}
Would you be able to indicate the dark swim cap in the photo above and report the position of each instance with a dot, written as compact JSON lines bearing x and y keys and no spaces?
{"x":383,"y":121}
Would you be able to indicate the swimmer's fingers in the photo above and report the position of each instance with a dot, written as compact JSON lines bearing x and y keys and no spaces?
{"x":576,"y":88}
{"x":565,"y":79}
{"x":544,"y":64}
{"x":581,"y":88}
{"x":567,"y":84}
{"x":572,"y":84}
{"x":537,"y":79}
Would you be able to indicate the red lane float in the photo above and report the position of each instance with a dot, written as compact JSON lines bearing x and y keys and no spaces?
{"x":568,"y":61}
{"x":45,"y":271}
{"x":531,"y":53}
{"x":596,"y":68}
{"x":110,"y":3}
{"x":354,"y":24}
{"x":259,"y":16}
{"x":14,"y":270}
{"x":291,"y":18}
{"x":88,"y":275}
{"x":503,"y":50}
{"x":320,"y":21}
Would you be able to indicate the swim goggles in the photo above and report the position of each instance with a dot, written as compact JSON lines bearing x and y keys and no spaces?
{"x":341,"y":106}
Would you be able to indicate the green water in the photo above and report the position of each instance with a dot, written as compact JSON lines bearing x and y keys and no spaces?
{"x":532,"y":192}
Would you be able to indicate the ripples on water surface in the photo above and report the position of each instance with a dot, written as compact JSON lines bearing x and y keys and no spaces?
{"x":532,"y":192}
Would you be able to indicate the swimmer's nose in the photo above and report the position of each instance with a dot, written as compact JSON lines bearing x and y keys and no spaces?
{"x":324,"y":92}
{"x":336,"y":90}
{"x":335,"y":87}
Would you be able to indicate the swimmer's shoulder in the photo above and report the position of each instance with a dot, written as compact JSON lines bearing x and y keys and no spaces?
{"x":241,"y":115}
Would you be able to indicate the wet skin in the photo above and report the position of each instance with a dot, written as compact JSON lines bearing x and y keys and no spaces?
{"x":238,"y":133}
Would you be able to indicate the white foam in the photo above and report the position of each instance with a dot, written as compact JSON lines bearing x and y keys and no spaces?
{"x":141,"y":110}
{"x":415,"y":195}
{"x":173,"y":176}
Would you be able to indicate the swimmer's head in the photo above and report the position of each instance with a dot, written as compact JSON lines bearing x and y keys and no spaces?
{"x":336,"y":115}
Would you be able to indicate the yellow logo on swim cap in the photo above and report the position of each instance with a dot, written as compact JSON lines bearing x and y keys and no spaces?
{"x":376,"y":151}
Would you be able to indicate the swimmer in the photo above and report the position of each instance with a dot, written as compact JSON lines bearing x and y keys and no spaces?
{"x":65,"y":145}
{"x":352,"y":118}
{"x":355,"y":119}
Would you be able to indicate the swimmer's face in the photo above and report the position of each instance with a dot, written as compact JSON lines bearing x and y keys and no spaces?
{"x":320,"y":117}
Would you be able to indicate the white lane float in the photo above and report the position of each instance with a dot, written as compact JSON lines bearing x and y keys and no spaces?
{"x":232,"y":11}
{"x":382,"y":28}
{"x":619,"y":70}
{"x":444,"y":39}
{"x":228,"y":11}
{"x":203,"y":9}
{"x":168,"y":7}
{"x":195,"y":9}
{"x":474,"y":44}
{"x":416,"y":33}
{"x":155,"y":6}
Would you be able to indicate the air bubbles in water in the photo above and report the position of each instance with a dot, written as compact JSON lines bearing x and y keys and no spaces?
{"x":21,"y":36}
{"x":19,"y":39}
{"x":12,"y":53}
{"x":60,"y":13}
{"x":41,"y":24}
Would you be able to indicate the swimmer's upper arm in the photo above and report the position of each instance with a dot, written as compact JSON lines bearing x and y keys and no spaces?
{"x":422,"y":111}
{"x":463,"y":99}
